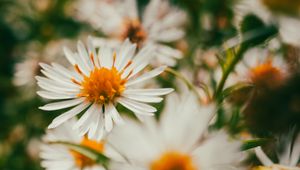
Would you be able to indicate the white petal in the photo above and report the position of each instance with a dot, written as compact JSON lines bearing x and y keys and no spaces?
{"x":146,"y":99}
{"x":55,"y":96}
{"x":67,"y":115}
{"x":84,"y":56}
{"x":264,"y":159}
{"x":296,"y":152}
{"x":108,"y":122}
{"x":146,"y":76}
{"x":57,"y":88}
{"x":69,"y":55}
{"x":62,"y":104}
{"x":111,"y":109}
{"x":136,"y":107}
{"x":149,"y":92}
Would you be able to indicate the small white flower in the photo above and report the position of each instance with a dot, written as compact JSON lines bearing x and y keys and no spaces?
{"x":98,"y":82}
{"x":288,"y":159}
{"x":262,"y":68}
{"x":178,"y":141}
{"x":60,"y":157}
{"x":160,"y":23}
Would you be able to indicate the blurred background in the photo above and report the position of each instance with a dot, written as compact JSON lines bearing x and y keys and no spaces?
{"x":33,"y":31}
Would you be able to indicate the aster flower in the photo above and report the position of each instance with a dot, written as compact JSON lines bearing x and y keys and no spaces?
{"x":288,"y":26}
{"x":178,"y":141}
{"x":260,"y":67}
{"x":160,"y":24}
{"x":61,"y":157}
{"x":263,"y":68}
{"x":98,"y":82}
{"x":288,"y":159}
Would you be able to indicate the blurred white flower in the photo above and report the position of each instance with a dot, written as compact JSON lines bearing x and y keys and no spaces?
{"x":26,"y":70}
{"x":288,"y":26}
{"x":98,"y":82}
{"x":262,"y":68}
{"x":160,"y":24}
{"x":61,"y":157}
{"x":288,"y":159}
{"x":178,"y":141}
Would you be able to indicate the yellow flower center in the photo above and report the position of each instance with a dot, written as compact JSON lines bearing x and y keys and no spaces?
{"x":261,"y":168}
{"x":266,"y":75}
{"x":134,"y":30}
{"x":275,"y":167}
{"x":102,"y":85}
{"x":287,"y":6}
{"x":173,"y":161}
{"x":81,"y":160}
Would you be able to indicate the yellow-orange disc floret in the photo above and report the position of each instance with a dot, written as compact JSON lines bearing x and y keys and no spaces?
{"x":102,"y":85}
{"x":266,"y":75}
{"x":83,"y":161}
{"x":134,"y":30}
{"x":173,"y":161}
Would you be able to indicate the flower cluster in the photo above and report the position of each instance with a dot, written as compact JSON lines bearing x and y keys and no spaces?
{"x":229,"y":72}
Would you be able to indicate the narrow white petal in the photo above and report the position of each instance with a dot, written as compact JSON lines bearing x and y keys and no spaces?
{"x":264,"y":159}
{"x":69,"y":55}
{"x":94,"y":124}
{"x":295,"y":155}
{"x":62,"y":70}
{"x":149,"y":92}
{"x":83,"y":55}
{"x":68,"y":115}
{"x":55,"y":96}
{"x":84,"y":118}
{"x":139,"y":107}
{"x":62,"y":104}
{"x":111,"y":109}
{"x":108,"y":122}
{"x":141,"y":98}
{"x":58,"y":89}
{"x":91,"y":50}
{"x":146,"y":76}
{"x":56,"y":83}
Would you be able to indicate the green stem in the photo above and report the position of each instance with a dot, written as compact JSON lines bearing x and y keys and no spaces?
{"x":230,"y":68}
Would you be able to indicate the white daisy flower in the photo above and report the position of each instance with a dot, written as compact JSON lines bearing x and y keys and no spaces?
{"x":178,"y":141}
{"x":288,"y":159}
{"x":61,"y":157}
{"x":288,"y":26}
{"x":260,"y":67}
{"x":160,"y":24}
{"x":98,"y":82}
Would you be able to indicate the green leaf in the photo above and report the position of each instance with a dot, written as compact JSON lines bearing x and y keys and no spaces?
{"x":249,"y":144}
{"x":254,"y":31}
{"x":229,"y":57}
{"x":88,"y":152}
{"x":236,"y":87}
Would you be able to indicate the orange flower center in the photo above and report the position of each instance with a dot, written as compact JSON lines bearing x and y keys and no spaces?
{"x":266,"y":75}
{"x":173,"y":161}
{"x":83,"y":161}
{"x":102,"y":85}
{"x":134,"y":30}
